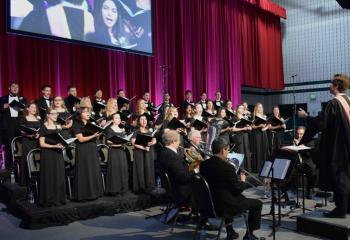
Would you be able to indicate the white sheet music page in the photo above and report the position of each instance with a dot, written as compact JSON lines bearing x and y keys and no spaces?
{"x":296,"y":148}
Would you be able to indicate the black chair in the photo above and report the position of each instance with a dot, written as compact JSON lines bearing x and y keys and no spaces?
{"x":33,"y":164}
{"x":103,"y":156}
{"x":16,"y":151}
{"x":170,"y":196}
{"x":205,"y":204}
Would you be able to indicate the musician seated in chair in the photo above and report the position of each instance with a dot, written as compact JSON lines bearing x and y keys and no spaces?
{"x":226,"y":188}
{"x":308,"y":167}
{"x":178,"y":171}
{"x":194,"y":154}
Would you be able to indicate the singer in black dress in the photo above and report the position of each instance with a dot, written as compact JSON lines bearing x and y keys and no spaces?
{"x":241,"y":139}
{"x":52,"y":188}
{"x":30,"y":141}
{"x":144,"y":156}
{"x":259,"y":144}
{"x":117,"y":165}
{"x":87,"y":172}
{"x":276,"y":132}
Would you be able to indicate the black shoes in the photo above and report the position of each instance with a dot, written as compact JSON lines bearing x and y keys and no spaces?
{"x":334,"y":214}
{"x":232,"y":234}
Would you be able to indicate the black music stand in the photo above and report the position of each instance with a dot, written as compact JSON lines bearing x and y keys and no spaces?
{"x":278,"y":171}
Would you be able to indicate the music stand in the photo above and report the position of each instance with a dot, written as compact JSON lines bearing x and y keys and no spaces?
{"x":278,"y":171}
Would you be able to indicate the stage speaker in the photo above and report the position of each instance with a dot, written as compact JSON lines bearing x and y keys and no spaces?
{"x":344,"y":3}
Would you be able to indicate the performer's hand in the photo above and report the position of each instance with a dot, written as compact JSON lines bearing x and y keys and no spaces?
{"x":147,"y":149}
{"x":302,"y":113}
{"x":59,"y":146}
{"x":242,"y":177}
{"x":6,"y":105}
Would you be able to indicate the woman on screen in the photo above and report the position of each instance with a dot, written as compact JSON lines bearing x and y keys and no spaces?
{"x":109,"y":26}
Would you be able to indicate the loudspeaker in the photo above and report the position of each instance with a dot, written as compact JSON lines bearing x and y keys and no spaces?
{"x":344,"y":3}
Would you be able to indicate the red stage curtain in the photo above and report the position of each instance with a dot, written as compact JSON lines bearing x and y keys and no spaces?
{"x":209,"y":45}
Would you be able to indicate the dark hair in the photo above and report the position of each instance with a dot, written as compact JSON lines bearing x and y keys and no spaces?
{"x":25,"y":111}
{"x":120,"y":90}
{"x":45,"y":86}
{"x":188,"y":91}
{"x":69,"y":87}
{"x":218,"y":144}
{"x":13,"y":83}
{"x":342,"y":81}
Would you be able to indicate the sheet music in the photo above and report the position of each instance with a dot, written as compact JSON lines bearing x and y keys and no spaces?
{"x":280,"y":168}
{"x":296,"y":148}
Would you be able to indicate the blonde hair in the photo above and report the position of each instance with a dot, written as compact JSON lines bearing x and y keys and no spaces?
{"x":139,"y":109}
{"x":256,"y":108}
{"x":109,"y":106}
{"x":168,"y":115}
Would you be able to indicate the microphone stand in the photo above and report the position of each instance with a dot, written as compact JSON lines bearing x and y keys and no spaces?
{"x":294,"y":103}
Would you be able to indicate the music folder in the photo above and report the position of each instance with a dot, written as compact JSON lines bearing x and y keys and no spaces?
{"x":274,"y":121}
{"x":56,"y":138}
{"x":154,"y":108}
{"x":92,"y":128}
{"x":64,"y":117}
{"x":258,"y":120}
{"x":242,"y":123}
{"x":122,"y":100}
{"x":208,"y":114}
{"x":229,"y":113}
{"x":144,"y":139}
{"x":29,"y":130}
{"x":231,"y":124}
{"x":97,"y":118}
{"x":99,"y":105}
{"x":175,"y":124}
{"x":115,"y":139}
{"x":280,"y":168}
{"x":17,"y":105}
{"x":298,"y":148}
{"x":199,"y":125}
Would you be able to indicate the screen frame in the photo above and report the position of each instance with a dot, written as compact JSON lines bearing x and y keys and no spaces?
{"x":9,"y":30}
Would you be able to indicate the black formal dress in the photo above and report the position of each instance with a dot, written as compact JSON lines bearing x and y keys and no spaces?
{"x":179,"y":174}
{"x":227,"y":191}
{"x":52,"y":188}
{"x":117,"y":167}
{"x":259,"y":146}
{"x":87,"y":172}
{"x":242,"y":145}
{"x":143,"y":169}
{"x":28,"y":144}
{"x":9,"y":126}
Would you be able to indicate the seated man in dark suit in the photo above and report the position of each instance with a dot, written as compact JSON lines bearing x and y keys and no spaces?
{"x":226,"y":188}
{"x":178,"y":171}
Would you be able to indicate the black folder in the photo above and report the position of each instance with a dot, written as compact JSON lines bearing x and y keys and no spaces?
{"x":125,"y":115}
{"x":97,"y":118}
{"x":175,"y":124}
{"x":56,"y":138}
{"x":275,"y":121}
{"x":115,"y":139}
{"x":98,"y":106}
{"x":64,"y":117}
{"x":73,"y":100}
{"x":154,"y":108}
{"x":229,"y":114}
{"x":92,"y":127}
{"x":258,"y":120}
{"x":144,"y":139}
{"x":243,"y":122}
{"x":17,"y":105}
{"x":29,"y":130}
{"x":199,"y":125}
{"x":208,"y":114}
{"x":122,"y":100}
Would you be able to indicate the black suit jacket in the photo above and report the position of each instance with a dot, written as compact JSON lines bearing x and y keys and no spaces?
{"x":224,"y":185}
{"x":5,"y":112}
{"x":41,"y":103}
{"x":178,"y":172}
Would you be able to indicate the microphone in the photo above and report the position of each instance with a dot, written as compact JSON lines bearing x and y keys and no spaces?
{"x":289,"y":130}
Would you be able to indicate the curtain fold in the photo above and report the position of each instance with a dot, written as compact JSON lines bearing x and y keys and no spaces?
{"x":203,"y":45}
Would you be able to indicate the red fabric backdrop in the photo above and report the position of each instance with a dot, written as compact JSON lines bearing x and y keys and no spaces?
{"x":209,"y":45}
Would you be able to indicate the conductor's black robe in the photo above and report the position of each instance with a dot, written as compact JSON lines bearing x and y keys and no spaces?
{"x":334,"y":163}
